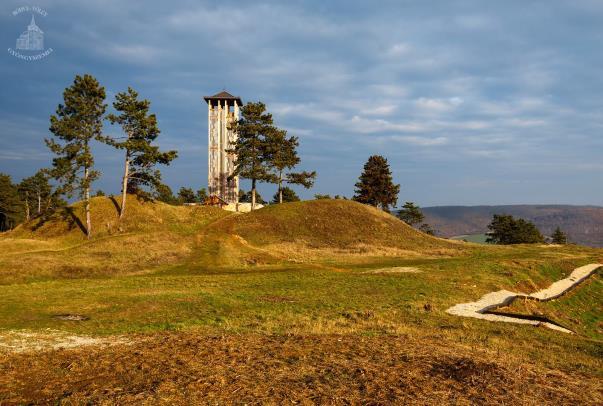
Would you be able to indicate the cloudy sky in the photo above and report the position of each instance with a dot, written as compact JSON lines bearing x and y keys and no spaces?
{"x":472,"y":102}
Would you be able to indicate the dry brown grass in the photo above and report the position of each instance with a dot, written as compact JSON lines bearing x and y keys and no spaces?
{"x":257,"y":327}
{"x":188,"y":368}
{"x":141,"y":216}
{"x":318,"y":231}
{"x":151,"y":234}
{"x":337,"y":224}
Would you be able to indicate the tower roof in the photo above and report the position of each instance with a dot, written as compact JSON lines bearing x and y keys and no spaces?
{"x":224,"y":95}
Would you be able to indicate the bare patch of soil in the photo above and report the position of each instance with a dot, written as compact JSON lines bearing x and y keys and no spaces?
{"x":394,"y":269}
{"x":28,"y":341}
{"x":71,"y":317}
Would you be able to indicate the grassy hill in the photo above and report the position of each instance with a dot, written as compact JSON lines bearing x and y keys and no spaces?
{"x":583,"y":224}
{"x":329,"y":223}
{"x":308,"y":301}
{"x":151,"y":234}
{"x":142,"y":217}
{"x":320,"y":229}
{"x":155,"y":233}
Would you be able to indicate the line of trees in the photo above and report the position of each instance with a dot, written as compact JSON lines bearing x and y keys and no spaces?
{"x":75,"y":126}
{"x":376,"y":187}
{"x":32,"y":197}
{"x":264,"y":153}
{"x":11,"y":205}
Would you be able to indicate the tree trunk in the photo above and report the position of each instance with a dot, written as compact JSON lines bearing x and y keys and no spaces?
{"x":87,"y":198}
{"x":124,"y":185}
{"x":39,"y":203}
{"x":280,"y":187}
{"x":26,"y":205}
{"x":253,"y":194}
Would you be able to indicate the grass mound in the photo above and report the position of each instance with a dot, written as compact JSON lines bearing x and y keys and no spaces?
{"x":329,"y":224}
{"x":141,"y":216}
{"x":150,"y":235}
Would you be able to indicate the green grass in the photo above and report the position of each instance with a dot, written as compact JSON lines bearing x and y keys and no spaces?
{"x":217,"y":273}
{"x":474,"y":238}
{"x":579,"y":310}
{"x":277,"y":299}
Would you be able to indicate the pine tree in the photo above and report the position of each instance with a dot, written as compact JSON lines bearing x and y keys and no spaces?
{"x":201,"y":195}
{"x":251,"y":148}
{"x":36,"y":193}
{"x":559,"y":237}
{"x":283,"y":156}
{"x":25,"y":189}
{"x":505,"y":229}
{"x":245,"y":197}
{"x":11,"y":206}
{"x":164,"y":194}
{"x":141,"y":157}
{"x":375,"y":185}
{"x":426,"y":228}
{"x":411,"y":214}
{"x":77,"y":122}
{"x":286,"y":194}
{"x":319,"y":196}
{"x":186,"y":195}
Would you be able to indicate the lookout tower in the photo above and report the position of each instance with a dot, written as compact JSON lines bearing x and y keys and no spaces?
{"x":222,"y":110}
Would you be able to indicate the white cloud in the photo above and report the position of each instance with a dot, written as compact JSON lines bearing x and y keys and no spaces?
{"x":364,"y":125}
{"x":420,"y":141}
{"x":383,"y":110}
{"x":438,"y":105}
{"x":140,"y":54}
{"x":399,"y":49}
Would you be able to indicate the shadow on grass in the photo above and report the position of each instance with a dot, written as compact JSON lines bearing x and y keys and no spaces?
{"x":46,"y":216}
{"x":73,"y":220}
{"x":117,"y":207}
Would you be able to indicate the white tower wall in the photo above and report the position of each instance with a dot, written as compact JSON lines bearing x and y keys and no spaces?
{"x":222,"y":111}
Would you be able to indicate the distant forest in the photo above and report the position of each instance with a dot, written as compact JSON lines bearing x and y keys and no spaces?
{"x":583,"y":224}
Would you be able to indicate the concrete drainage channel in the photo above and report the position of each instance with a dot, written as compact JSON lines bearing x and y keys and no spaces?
{"x":485,"y":307}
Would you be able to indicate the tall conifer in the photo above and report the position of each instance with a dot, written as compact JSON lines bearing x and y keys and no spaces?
{"x":36,"y":192}
{"x":559,"y":237}
{"x":254,"y":130}
{"x":141,"y":157}
{"x":77,"y":122}
{"x":283,"y":156}
{"x":375,"y":185}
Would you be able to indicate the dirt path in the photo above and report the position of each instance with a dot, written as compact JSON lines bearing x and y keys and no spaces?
{"x":501,"y":298}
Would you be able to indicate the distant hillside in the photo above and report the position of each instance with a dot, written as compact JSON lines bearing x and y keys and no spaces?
{"x":583,"y":224}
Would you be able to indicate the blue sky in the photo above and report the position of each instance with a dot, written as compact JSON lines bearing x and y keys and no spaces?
{"x":472,"y":102}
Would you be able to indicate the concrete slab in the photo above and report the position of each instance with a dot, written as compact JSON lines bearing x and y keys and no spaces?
{"x":502,"y":298}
